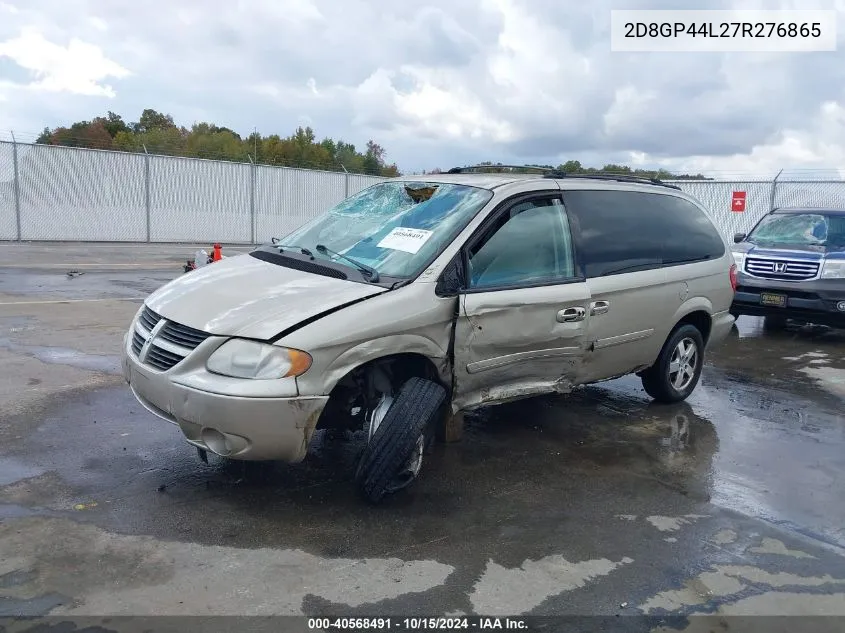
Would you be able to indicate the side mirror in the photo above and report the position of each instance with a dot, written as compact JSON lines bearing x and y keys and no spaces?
{"x":738,"y":237}
{"x":451,"y":281}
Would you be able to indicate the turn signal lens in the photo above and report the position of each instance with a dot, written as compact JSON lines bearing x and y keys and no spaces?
{"x":733,"y":277}
{"x":300,"y":362}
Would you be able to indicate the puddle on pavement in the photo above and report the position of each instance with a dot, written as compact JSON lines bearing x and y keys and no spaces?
{"x":13,"y":511}
{"x":611,"y":429}
{"x":90,"y":285}
{"x":66,"y":356}
{"x":761,"y":452}
{"x":13,"y":470}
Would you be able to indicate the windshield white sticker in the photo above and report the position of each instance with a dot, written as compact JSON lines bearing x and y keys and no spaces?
{"x":404,"y":239}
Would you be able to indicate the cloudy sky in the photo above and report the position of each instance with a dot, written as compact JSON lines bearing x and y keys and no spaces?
{"x":438,"y":83}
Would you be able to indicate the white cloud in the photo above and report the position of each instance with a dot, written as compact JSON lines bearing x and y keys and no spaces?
{"x":77,"y":68}
{"x":819,"y":146}
{"x":99,"y":23}
{"x":436,"y":82}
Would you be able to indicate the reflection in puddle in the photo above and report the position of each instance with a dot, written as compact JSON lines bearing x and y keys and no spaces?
{"x":753,"y":451}
{"x":597,"y":425}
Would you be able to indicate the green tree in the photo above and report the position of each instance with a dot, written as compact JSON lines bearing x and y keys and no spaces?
{"x":113,"y":123}
{"x":152,"y":120}
{"x":157,"y":132}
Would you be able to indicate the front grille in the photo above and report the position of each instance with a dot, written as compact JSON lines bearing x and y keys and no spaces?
{"x":162,"y":359}
{"x":172,"y":343}
{"x":137,"y":342}
{"x":781,"y":269}
{"x":149,"y":318}
{"x":183,"y":335}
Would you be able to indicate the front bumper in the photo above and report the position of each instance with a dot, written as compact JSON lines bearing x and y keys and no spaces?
{"x":232,"y":424}
{"x":818,"y":301}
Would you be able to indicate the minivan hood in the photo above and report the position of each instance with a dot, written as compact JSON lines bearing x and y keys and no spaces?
{"x":245,"y":296}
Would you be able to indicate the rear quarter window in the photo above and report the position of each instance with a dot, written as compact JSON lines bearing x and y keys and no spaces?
{"x":627,"y":231}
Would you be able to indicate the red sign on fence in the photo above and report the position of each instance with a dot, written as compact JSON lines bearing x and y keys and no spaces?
{"x":738,"y":202}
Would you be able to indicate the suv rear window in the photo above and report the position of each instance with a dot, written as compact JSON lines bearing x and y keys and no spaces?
{"x":627,"y":231}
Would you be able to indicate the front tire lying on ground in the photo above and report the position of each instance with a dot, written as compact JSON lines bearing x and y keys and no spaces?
{"x":675,"y":374}
{"x":393,"y":456}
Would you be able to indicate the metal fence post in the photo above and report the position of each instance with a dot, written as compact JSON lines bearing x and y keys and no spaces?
{"x":774,"y":188}
{"x":147,"y":189}
{"x":345,"y":182}
{"x":16,"y":185}
{"x":252,"y":176}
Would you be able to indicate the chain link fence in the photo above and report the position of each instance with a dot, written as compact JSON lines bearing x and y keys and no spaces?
{"x":54,"y":193}
{"x":760,"y":197}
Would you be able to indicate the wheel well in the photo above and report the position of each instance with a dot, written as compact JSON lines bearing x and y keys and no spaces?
{"x":701,"y":320}
{"x":359,"y":389}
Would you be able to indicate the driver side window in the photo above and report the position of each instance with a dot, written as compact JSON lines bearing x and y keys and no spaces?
{"x":530,"y":243}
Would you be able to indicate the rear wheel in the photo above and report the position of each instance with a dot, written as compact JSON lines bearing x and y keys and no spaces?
{"x":675,"y":374}
{"x":400,"y":429}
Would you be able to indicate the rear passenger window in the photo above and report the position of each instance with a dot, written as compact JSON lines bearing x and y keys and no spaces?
{"x":529,"y":244}
{"x":627,"y":231}
{"x":690,"y":235}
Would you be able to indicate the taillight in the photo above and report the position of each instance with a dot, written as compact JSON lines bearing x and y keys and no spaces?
{"x":733,"y":277}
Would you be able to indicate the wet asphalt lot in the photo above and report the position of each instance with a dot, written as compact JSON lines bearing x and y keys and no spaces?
{"x":599,"y":503}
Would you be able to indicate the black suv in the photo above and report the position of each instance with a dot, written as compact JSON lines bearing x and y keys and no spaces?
{"x":792,"y":266}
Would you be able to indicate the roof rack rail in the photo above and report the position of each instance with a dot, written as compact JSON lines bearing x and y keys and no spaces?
{"x":551,"y":172}
{"x":469,"y":168}
{"x":611,"y":176}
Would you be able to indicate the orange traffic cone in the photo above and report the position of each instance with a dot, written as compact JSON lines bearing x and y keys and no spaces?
{"x":218,"y":253}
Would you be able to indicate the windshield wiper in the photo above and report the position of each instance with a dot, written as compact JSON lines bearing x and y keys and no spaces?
{"x":371,"y":272}
{"x":282,"y":248}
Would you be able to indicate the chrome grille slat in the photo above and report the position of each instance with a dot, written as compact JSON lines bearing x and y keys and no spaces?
{"x":183,"y":335}
{"x":137,"y":343}
{"x":159,"y":361}
{"x":149,"y":318}
{"x":795,"y":270}
{"x":173,"y":342}
{"x":160,"y":354}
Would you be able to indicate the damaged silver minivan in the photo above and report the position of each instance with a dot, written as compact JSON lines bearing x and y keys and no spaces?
{"x":422,"y":297}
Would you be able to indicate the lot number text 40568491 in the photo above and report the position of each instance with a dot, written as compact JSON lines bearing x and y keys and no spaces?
{"x":416,"y":623}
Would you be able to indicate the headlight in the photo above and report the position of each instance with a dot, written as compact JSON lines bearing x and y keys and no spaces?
{"x":249,"y":359}
{"x":739,"y":260}
{"x":833,"y":269}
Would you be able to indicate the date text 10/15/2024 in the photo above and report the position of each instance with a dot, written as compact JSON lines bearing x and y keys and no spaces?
{"x":416,"y":623}
{"x":723,"y":31}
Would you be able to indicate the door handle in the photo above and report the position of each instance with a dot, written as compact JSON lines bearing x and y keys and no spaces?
{"x":567,"y":315}
{"x":599,"y":307}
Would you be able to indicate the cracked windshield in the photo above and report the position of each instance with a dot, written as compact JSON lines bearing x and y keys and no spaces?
{"x":394,"y":227}
{"x":805,"y":228}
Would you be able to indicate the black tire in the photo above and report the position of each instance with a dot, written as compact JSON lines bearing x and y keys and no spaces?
{"x":657,"y":380}
{"x":414,"y":413}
